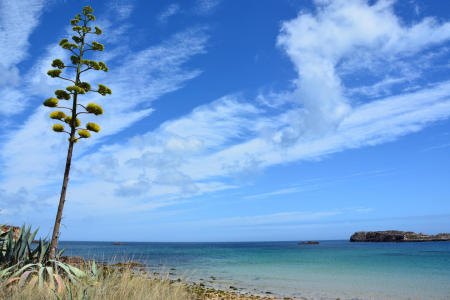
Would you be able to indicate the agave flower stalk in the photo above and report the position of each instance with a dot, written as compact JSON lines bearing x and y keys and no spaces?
{"x":82,"y":45}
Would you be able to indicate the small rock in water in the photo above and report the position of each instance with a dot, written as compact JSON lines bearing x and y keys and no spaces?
{"x":309,"y":243}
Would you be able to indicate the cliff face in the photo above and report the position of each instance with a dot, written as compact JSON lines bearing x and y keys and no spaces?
{"x":397,"y":236}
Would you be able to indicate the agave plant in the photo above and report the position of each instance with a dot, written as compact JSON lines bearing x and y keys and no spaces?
{"x":16,"y":250}
{"x":21,"y":264}
{"x":49,"y":273}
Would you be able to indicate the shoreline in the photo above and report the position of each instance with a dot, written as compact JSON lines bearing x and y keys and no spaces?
{"x":330,"y":270}
{"x":210,"y":288}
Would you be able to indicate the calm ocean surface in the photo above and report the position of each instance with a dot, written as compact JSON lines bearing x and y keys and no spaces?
{"x":326,"y":271}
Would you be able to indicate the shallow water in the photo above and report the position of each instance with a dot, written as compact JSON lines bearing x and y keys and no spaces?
{"x":326,"y":271}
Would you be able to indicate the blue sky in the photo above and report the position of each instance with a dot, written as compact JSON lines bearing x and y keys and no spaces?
{"x":234,"y":120}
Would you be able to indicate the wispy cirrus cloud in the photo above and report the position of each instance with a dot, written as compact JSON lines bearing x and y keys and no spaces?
{"x":136,"y":77}
{"x":284,"y":191}
{"x":14,"y":36}
{"x":206,"y":7}
{"x":283,"y":218}
{"x":202,"y":151}
{"x":170,"y":11}
{"x":217,"y":140}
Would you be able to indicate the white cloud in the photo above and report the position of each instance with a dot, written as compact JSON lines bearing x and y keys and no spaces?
{"x":276,"y":219}
{"x":200,"y":148}
{"x":151,"y":163}
{"x":170,"y":11}
{"x":123,"y":10}
{"x":345,"y":31}
{"x":12,"y":100}
{"x":14,"y":35}
{"x":323,"y":121}
{"x":134,"y":88}
{"x":14,"y":31}
{"x":285,"y":191}
{"x":205,"y":7}
{"x":201,"y":152}
{"x":437,"y":147}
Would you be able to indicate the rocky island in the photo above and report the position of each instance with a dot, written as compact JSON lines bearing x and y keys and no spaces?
{"x":397,"y":236}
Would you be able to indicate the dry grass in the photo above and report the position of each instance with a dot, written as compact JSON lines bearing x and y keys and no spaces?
{"x":112,"y":286}
{"x":119,"y":282}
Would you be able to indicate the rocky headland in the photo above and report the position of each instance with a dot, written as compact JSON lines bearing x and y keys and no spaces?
{"x":397,"y":236}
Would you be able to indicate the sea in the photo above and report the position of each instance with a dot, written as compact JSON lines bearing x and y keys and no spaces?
{"x":329,"y":270}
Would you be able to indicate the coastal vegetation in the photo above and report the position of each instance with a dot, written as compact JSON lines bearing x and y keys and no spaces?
{"x":27,"y":271}
{"x":108,"y":285}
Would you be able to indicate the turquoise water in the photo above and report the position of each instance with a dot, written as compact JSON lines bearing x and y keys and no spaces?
{"x":326,"y":271}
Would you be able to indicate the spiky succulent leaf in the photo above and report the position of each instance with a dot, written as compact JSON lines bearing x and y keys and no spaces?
{"x":12,"y":280}
{"x":66,"y":270}
{"x":5,"y":272}
{"x":24,"y":277}
{"x":19,"y":271}
{"x":77,"y":272}
{"x":60,"y":252}
{"x":50,"y":277}
{"x":41,"y":277}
